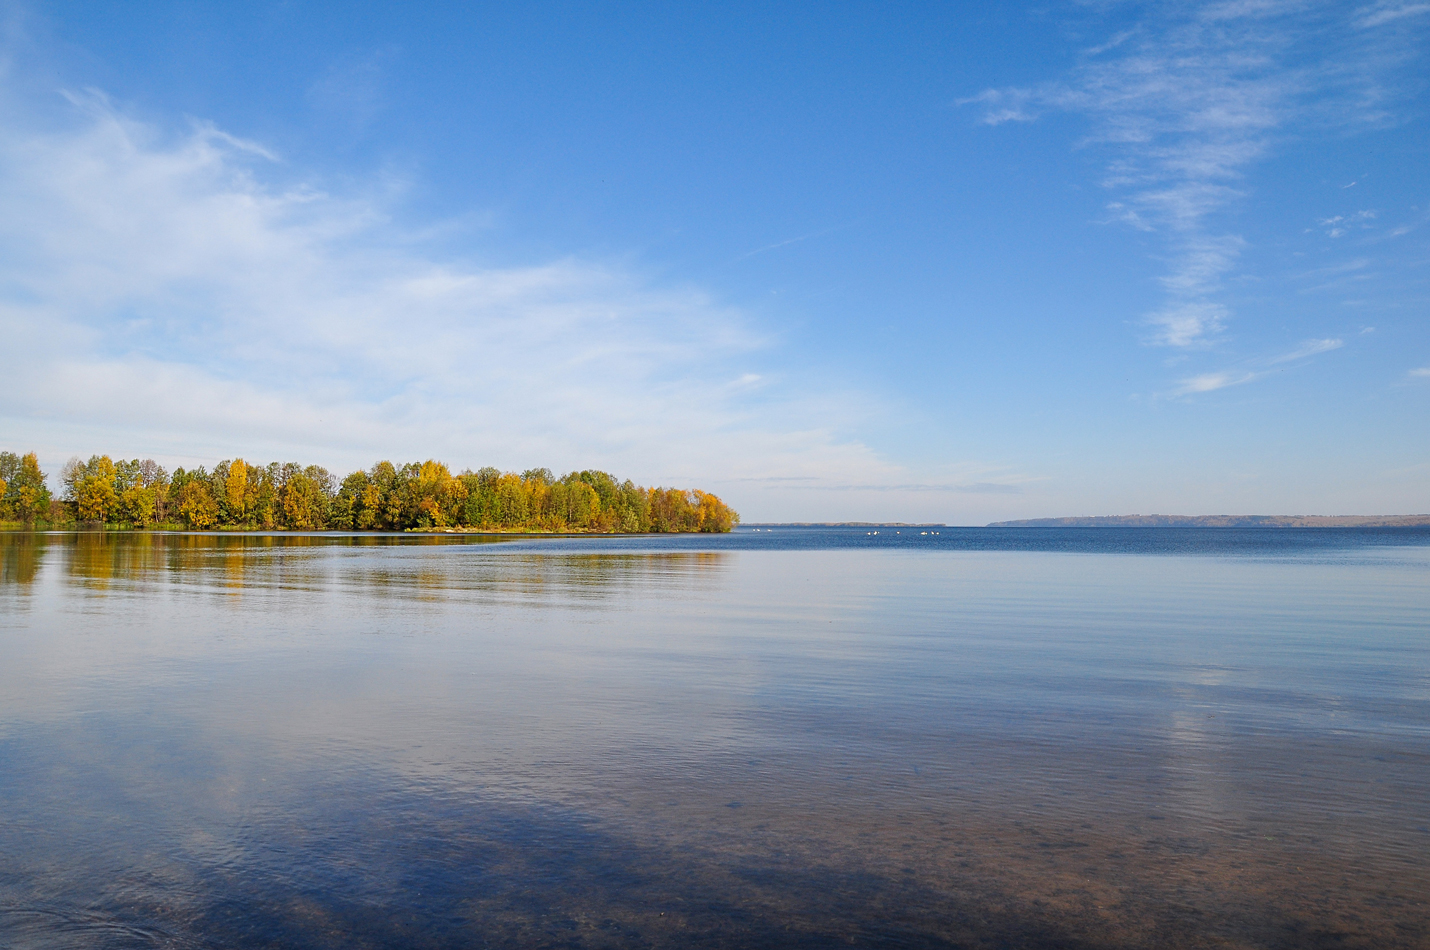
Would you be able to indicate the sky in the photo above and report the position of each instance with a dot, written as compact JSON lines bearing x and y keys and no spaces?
{"x":945,"y":262}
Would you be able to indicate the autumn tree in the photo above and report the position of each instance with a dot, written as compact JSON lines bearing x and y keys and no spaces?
{"x":235,"y":491}
{"x":712,"y":515}
{"x":142,"y":488}
{"x":197,"y":505}
{"x":237,"y":494}
{"x":431,"y":496}
{"x":90,"y":487}
{"x":23,"y":492}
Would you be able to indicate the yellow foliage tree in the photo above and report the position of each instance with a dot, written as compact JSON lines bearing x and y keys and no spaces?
{"x":415,"y":496}
{"x":236,"y":489}
{"x":711,"y":514}
{"x":95,"y":497}
{"x":371,"y":506}
{"x":197,"y":505}
{"x":300,"y":501}
{"x":138,"y":504}
{"x":31,"y":499}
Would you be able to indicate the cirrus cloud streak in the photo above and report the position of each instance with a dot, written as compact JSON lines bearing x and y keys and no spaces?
{"x":1185,"y":102}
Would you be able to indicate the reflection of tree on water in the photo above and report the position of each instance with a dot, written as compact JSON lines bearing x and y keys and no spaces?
{"x":423,"y":568}
{"x":101,"y":558}
{"x":526,"y":577}
{"x":20,"y":557}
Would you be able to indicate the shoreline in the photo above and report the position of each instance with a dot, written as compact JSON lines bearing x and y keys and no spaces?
{"x":1278,"y":522}
{"x":73,"y":528}
{"x":1223,"y":521}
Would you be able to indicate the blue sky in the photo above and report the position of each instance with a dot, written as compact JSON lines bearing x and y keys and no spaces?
{"x":833,"y":261}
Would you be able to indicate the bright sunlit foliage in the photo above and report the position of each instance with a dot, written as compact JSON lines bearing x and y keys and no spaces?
{"x":425,"y":495}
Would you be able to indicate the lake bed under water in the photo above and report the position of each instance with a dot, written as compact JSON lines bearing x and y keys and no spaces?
{"x":799,"y":737}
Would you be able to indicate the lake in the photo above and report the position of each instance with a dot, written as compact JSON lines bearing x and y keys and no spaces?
{"x":798,"y":737}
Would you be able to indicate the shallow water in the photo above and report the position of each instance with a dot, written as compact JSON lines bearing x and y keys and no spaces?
{"x":804,"y":737}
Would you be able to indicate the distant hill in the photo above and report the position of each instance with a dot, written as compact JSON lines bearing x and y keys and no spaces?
{"x":841,"y":524}
{"x":1223,"y":521}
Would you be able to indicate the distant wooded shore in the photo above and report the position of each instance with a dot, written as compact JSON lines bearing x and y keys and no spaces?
{"x":1223,"y":521}
{"x":1141,"y":521}
{"x":844,"y":524}
{"x":417,"y":496}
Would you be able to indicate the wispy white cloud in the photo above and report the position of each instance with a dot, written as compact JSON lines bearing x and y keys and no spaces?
{"x":1383,"y":13}
{"x":1422,"y":372}
{"x":1006,"y":105}
{"x":1187,"y":323}
{"x":1210,"y":382}
{"x":1181,"y":109}
{"x":1254,"y":370}
{"x":785,"y":243}
{"x":171,"y":299}
{"x":1186,"y":102}
{"x":1340,"y":224}
{"x":1308,"y":348}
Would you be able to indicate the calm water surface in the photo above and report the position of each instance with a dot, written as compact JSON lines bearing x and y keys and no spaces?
{"x":817,"y":737}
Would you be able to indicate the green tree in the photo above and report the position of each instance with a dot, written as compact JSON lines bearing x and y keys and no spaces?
{"x":142,"y":489}
{"x":347,"y":509}
{"x":577,"y":505}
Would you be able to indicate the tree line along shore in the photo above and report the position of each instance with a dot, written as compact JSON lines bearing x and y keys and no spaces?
{"x":238,"y":495}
